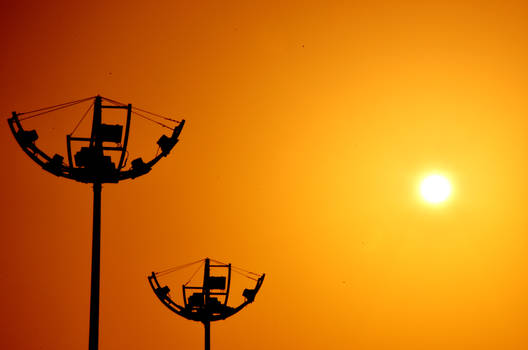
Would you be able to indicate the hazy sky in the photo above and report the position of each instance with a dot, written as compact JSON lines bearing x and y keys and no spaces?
{"x":309,"y":127}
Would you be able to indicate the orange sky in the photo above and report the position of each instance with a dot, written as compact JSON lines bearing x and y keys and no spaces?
{"x":309,"y":126}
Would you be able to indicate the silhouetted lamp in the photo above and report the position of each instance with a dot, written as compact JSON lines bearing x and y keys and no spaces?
{"x":208,"y":302}
{"x":93,"y":164}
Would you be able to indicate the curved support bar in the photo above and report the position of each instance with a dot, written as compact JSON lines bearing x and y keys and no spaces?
{"x":163,"y":295}
{"x":26,"y":140}
{"x":249,"y":294}
{"x":166,"y":144}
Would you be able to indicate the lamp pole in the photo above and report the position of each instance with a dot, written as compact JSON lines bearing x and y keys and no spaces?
{"x":207,"y":295}
{"x":203,"y":305}
{"x":207,"y":328}
{"x":93,"y":166}
{"x":93,"y":339}
{"x":93,"y":342}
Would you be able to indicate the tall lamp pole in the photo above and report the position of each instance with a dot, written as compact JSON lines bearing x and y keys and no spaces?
{"x":96,"y":268}
{"x":93,"y":164}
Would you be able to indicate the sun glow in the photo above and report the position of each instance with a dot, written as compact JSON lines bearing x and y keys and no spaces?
{"x":435,"y":188}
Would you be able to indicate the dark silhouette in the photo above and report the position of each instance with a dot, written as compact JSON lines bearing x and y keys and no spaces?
{"x":203,"y":305}
{"x":93,"y":165}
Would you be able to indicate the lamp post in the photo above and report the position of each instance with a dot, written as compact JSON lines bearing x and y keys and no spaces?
{"x":208,"y":302}
{"x":93,"y":164}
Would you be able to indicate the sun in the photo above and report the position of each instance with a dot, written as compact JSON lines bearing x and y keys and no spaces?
{"x":435,"y":188}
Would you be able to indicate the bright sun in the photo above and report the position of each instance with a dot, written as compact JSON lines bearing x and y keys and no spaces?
{"x":435,"y":188}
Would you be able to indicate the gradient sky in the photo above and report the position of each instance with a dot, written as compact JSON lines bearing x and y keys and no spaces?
{"x":309,"y":127}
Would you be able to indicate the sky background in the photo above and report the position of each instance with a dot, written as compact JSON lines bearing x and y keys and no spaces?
{"x":309,"y":127}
